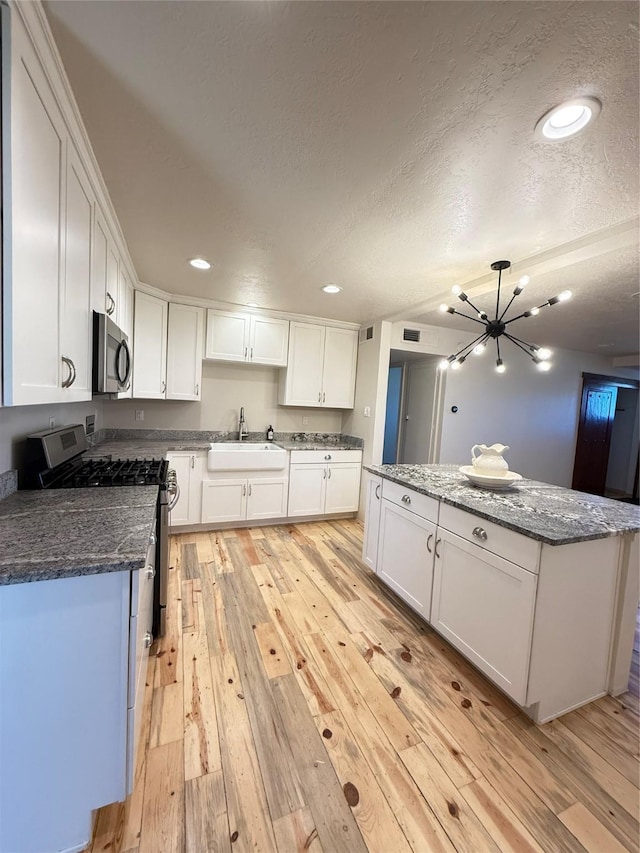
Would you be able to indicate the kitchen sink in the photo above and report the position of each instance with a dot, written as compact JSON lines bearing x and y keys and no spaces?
{"x":238,"y":456}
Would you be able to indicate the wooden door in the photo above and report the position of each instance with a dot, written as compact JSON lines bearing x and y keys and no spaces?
{"x":343,"y":487}
{"x":269,"y":341}
{"x":307,"y":488}
{"x":150,"y":346}
{"x":339,"y":370}
{"x":267,"y":498}
{"x":303,"y":379}
{"x":597,"y":412}
{"x":224,"y":500}
{"x":227,"y":336}
{"x":184,"y":352}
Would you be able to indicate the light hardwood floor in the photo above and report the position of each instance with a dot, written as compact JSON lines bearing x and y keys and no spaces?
{"x":296,"y":705}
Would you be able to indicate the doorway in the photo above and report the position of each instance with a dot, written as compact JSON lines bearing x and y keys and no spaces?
{"x":414,"y":407}
{"x":606,"y":458}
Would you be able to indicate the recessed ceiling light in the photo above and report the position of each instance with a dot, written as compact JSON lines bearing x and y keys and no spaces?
{"x":567,"y":119}
{"x":331,"y":288}
{"x":200,"y":264}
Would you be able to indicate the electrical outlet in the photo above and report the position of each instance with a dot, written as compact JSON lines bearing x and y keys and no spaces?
{"x":52,"y":423}
{"x":305,"y":420}
{"x":139,"y":414}
{"x":367,"y":411}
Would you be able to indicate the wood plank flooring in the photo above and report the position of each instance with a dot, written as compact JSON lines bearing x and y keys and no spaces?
{"x":296,"y":705}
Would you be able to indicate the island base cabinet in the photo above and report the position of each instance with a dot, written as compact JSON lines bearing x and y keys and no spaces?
{"x":405,"y":555}
{"x":373,"y":501}
{"x":63,"y":728}
{"x":484,"y":606}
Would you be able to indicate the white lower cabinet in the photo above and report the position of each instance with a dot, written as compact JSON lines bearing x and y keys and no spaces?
{"x":241,"y":499}
{"x":373,"y":505}
{"x":69,"y":732}
{"x":405,"y":555}
{"x":323,"y":482}
{"x":189,"y":468}
{"x":484,"y":606}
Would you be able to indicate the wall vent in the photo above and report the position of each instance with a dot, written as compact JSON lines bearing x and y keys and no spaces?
{"x":412,"y":335}
{"x":366,"y":334}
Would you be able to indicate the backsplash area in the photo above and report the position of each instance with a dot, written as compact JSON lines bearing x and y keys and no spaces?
{"x":109,"y":434}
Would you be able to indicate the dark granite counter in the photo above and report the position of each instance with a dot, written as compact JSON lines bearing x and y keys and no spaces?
{"x":541,"y":511}
{"x":147,"y":444}
{"x":65,"y":532}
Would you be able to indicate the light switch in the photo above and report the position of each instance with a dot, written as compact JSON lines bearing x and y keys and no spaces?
{"x":367,"y":411}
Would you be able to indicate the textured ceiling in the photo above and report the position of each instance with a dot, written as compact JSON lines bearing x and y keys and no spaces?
{"x":386,"y":146}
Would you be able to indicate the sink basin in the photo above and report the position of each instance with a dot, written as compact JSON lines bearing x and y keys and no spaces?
{"x":230,"y":456}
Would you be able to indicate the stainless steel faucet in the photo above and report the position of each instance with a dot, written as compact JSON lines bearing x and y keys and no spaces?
{"x":243,"y":432}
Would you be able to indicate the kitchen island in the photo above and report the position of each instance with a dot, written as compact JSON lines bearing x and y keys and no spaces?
{"x":536,"y":585}
{"x":76,"y":594}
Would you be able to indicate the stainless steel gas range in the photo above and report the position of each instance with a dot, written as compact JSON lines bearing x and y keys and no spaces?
{"x":56,"y":459}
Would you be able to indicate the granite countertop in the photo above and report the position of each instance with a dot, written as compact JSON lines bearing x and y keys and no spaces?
{"x":544,"y":512}
{"x":61,"y":533}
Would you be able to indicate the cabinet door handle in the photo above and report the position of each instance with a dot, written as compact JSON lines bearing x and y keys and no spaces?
{"x":249,"y":489}
{"x":148,"y":640}
{"x":150,"y":572}
{"x":324,"y":396}
{"x":246,"y":350}
{"x":438,"y":541}
{"x":324,"y":474}
{"x":406,"y":499}
{"x":67,"y":382}
{"x":251,"y":354}
{"x":244,"y":491}
{"x":193,"y":461}
{"x":329,"y":475}
{"x":164,"y":386}
{"x":197,"y":390}
{"x":378,"y":491}
{"x":429,"y":538}
{"x":480,"y":533}
{"x":111,"y":304}
{"x":319,"y":396}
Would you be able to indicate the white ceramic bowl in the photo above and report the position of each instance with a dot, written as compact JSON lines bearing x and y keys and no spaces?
{"x":494,"y":480}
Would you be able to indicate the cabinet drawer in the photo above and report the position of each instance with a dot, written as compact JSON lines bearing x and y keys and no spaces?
{"x":326,"y":456}
{"x":505,"y":543}
{"x":139,"y":626}
{"x":422,"y":505}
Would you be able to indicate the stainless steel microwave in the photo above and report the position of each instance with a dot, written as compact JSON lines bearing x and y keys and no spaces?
{"x":111,"y":357}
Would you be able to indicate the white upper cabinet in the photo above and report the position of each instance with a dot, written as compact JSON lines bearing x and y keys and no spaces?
{"x":184,"y":352}
{"x":150,"y":346}
{"x":167,"y":349}
{"x":321,"y":367}
{"x":75,"y":343}
{"x":49,"y":272}
{"x":246,"y":338}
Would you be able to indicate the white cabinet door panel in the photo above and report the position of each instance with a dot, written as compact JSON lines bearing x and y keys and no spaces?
{"x":227,"y":336}
{"x":269,"y":341}
{"x":373,"y":502}
{"x":224,"y":500}
{"x":267,"y":498}
{"x":150,"y":346}
{"x":343,"y":487}
{"x":484,"y":606}
{"x":75,"y":343}
{"x":307,"y":488}
{"x":181,"y":463}
{"x":184,"y":352}
{"x":303,"y":381}
{"x":339,"y":374}
{"x":99,"y":265}
{"x":405,"y":555}
{"x":32,"y":367}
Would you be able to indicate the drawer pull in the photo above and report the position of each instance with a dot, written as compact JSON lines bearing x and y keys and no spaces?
{"x":429,"y":538}
{"x":148,"y":640}
{"x":480,"y":533}
{"x":438,"y":541}
{"x":406,"y":499}
{"x":150,"y":572}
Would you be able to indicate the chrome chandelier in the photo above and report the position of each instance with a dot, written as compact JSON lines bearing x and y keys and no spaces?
{"x":497,"y":328}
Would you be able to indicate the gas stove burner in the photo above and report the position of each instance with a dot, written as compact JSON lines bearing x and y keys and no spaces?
{"x":93,"y":473}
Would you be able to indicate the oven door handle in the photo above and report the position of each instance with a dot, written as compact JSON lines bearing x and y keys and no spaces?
{"x":174,"y":490}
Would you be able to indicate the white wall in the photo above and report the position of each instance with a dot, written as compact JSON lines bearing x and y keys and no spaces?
{"x":535,"y":413}
{"x":421,"y":393}
{"x":17,"y":422}
{"x":225,"y":387}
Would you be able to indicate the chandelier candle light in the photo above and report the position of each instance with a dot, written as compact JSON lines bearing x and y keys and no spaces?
{"x":497,"y":327}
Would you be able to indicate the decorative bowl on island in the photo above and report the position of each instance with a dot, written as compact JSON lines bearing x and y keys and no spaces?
{"x":490,"y":479}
